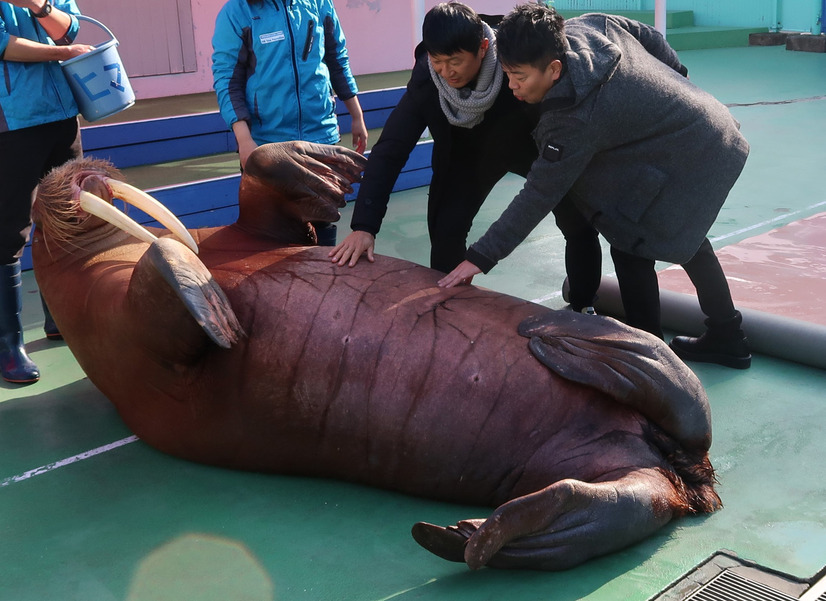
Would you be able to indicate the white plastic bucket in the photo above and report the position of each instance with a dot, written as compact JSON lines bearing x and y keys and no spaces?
{"x":98,"y":80}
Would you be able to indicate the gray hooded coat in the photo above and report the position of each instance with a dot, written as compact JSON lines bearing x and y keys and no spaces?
{"x":645,"y":155}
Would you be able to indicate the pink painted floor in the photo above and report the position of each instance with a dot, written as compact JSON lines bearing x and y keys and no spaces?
{"x":781,"y":272}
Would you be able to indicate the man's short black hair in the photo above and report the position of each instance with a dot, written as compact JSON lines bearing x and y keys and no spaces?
{"x":451,"y":27}
{"x":531,"y":34}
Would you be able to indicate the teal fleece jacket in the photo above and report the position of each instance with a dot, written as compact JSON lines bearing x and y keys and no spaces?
{"x":33,"y":93}
{"x":276,"y":65}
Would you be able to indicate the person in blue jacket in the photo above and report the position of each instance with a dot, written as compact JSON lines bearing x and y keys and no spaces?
{"x":276,"y":65}
{"x":39,"y":130}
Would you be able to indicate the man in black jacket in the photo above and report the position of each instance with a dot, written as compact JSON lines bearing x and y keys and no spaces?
{"x":480,"y":132}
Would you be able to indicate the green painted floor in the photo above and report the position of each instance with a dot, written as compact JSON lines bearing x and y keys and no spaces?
{"x":87,"y":513}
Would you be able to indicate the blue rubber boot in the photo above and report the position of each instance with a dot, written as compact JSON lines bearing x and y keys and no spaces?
{"x":15,"y":364}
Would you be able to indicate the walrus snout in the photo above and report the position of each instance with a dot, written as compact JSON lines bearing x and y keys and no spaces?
{"x":57,"y":208}
{"x":95,"y":183}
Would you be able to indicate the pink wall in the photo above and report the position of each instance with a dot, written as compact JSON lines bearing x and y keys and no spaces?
{"x":203,"y":22}
{"x":381,"y":35}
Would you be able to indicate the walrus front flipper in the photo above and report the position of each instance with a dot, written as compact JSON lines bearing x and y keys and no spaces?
{"x":191,"y":290}
{"x":632,"y":366}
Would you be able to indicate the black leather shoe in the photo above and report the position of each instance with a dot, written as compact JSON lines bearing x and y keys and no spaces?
{"x":735,"y":355}
{"x":723,"y":343}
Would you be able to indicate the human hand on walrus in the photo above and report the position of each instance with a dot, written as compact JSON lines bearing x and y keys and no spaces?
{"x":349,"y":250}
{"x":462,"y":274}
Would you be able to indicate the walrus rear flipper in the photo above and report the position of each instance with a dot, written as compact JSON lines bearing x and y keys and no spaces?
{"x":192,"y":284}
{"x":559,"y":526}
{"x":632,"y":366}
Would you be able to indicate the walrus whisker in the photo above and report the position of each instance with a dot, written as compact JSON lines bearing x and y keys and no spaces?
{"x":94,"y":205}
{"x":152,"y":207}
{"x":60,"y":220}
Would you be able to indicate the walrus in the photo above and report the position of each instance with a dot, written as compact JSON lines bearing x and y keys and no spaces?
{"x":259,"y":353}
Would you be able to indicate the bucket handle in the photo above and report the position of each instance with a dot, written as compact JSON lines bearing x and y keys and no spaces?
{"x":98,"y":23}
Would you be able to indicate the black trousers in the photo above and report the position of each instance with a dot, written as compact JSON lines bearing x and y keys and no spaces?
{"x":26,"y":155}
{"x":640,"y":291}
{"x":583,"y":254}
{"x":466,"y":170}
{"x":463,"y":177}
{"x":450,"y":216}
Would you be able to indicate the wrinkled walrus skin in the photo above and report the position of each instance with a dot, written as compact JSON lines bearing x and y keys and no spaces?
{"x":586,"y":435}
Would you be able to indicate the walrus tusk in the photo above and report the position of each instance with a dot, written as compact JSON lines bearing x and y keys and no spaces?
{"x":95,"y":205}
{"x":149,"y":205}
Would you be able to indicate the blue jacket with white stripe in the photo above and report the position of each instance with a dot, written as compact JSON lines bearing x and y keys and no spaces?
{"x":33,"y":93}
{"x":276,"y":65}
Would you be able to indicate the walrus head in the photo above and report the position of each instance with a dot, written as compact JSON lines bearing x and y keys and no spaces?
{"x":76,"y":198}
{"x":285,"y":187}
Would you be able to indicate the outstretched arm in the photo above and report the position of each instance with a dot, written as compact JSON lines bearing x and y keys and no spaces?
{"x":357,"y":127}
{"x":57,"y":24}
{"x":243,"y":137}
{"x":27,"y":51}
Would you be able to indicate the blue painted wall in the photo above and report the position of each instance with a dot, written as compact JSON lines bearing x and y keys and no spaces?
{"x":731,"y":13}
{"x":800,"y":15}
{"x":823,"y":17}
{"x":598,"y":5}
{"x":788,"y":15}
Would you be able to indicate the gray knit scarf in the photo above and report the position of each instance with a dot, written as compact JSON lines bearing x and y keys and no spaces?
{"x":466,"y":107}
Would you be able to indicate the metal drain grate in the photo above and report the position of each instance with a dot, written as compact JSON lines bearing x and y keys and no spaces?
{"x":726,"y":577}
{"x":728,"y":586}
{"x":817,"y":592}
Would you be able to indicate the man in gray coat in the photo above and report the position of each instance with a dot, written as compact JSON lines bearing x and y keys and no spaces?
{"x":644,"y":154}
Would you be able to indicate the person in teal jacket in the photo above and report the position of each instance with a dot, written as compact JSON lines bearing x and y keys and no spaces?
{"x":276,"y":65}
{"x":39,"y":130}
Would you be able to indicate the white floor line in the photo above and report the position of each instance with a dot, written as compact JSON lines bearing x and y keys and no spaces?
{"x":783,"y":217}
{"x":408,"y":590}
{"x":68,"y":461}
{"x":547,"y":297}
